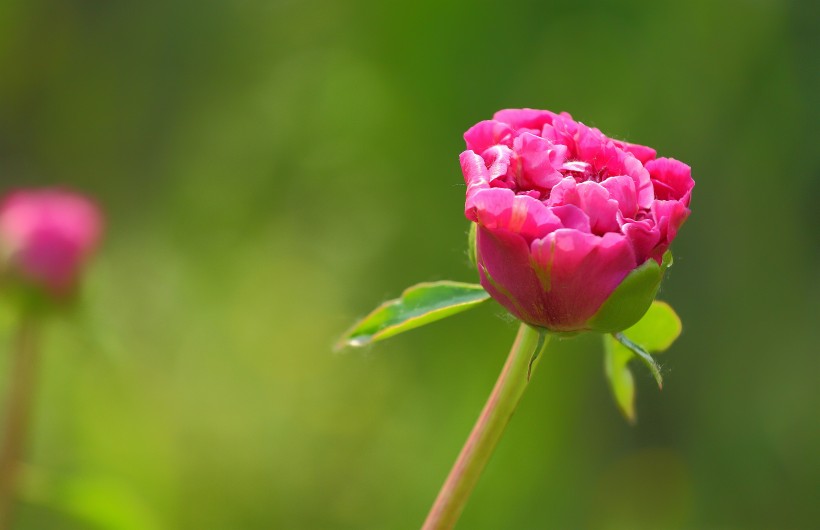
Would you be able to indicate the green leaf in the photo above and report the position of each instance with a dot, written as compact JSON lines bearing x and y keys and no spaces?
{"x":621,"y":382}
{"x":654,"y":333}
{"x":658,"y":328}
{"x":632,"y":298}
{"x":643,"y":355}
{"x":417,"y":306}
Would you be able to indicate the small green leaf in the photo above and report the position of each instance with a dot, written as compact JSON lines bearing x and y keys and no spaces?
{"x":654,"y":333}
{"x":658,"y":328}
{"x":643,"y":355}
{"x":621,"y":382}
{"x":417,"y":306}
{"x":632,"y":298}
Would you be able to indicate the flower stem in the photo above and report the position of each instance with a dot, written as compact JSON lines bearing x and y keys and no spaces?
{"x":488,"y":429}
{"x":22,"y":371}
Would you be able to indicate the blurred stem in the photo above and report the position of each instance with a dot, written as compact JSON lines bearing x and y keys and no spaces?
{"x":488,"y":429}
{"x":22,"y":371}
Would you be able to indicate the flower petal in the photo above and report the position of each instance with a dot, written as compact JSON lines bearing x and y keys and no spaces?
{"x":498,"y":159}
{"x":641,"y":152}
{"x":643,"y":183}
{"x":644,"y":237}
{"x":475,"y":171}
{"x":539,"y":161}
{"x":525,"y":118}
{"x":622,"y":189}
{"x":672,"y":179}
{"x":506,"y":272}
{"x":668,"y":216}
{"x":590,"y":197}
{"x":502,"y":209}
{"x":486,"y":134}
{"x":564,"y":131}
{"x":572,"y":217}
{"x":583,"y":270}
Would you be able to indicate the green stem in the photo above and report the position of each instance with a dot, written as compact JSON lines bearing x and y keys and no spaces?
{"x":488,"y":429}
{"x":22,"y":371}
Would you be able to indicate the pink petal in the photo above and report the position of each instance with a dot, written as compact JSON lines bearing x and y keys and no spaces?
{"x":506,"y":272}
{"x":539,"y":161}
{"x":641,"y":152}
{"x":474,"y":170}
{"x":525,"y":118}
{"x":486,"y":134}
{"x":563,"y":130}
{"x":502,"y":209}
{"x":572,"y":217}
{"x":622,"y":189}
{"x":672,"y":179}
{"x":583,"y":270}
{"x":498,"y":159}
{"x":644,"y":190}
{"x":593,"y":147}
{"x":644,"y":237}
{"x":668,"y":216}
{"x":590,"y":197}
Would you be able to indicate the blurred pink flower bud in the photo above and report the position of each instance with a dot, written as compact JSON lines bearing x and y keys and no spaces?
{"x":46,"y":238}
{"x":566,"y":216}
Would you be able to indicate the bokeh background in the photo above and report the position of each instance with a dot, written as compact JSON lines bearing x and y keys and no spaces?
{"x":271,"y":170}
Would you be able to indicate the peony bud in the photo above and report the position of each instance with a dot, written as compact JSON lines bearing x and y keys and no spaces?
{"x":572,"y":226}
{"x":46,"y":238}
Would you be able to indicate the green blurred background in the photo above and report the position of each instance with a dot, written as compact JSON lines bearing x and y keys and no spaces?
{"x":271,"y":170}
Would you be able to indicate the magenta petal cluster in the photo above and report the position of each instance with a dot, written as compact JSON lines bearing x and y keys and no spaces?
{"x":47,"y":236}
{"x":565,"y":213}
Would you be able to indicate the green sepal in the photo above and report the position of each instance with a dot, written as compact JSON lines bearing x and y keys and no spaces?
{"x":471,"y":245}
{"x":418,"y":305}
{"x":654,"y":333}
{"x":632,"y":298}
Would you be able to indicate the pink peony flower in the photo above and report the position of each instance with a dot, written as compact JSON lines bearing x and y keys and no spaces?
{"x":564,"y":215}
{"x":46,"y":237}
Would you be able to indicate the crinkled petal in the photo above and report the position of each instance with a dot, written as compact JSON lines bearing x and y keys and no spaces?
{"x":486,"y":134}
{"x":672,"y":179}
{"x":644,"y":190}
{"x":525,"y":118}
{"x":475,"y":172}
{"x":578,"y":272}
{"x":572,"y":217}
{"x":590,"y":197}
{"x":622,"y":189}
{"x":502,"y":209}
{"x":641,"y":152}
{"x":644,"y":237}
{"x":593,"y":147}
{"x":498,"y":159}
{"x":506,"y":272}
{"x":607,"y":159}
{"x":564,"y":131}
{"x":538,"y":161}
{"x":668,"y":217}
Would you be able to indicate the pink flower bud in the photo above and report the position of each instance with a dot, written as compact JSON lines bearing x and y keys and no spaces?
{"x":565,"y":215}
{"x":46,"y":238}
